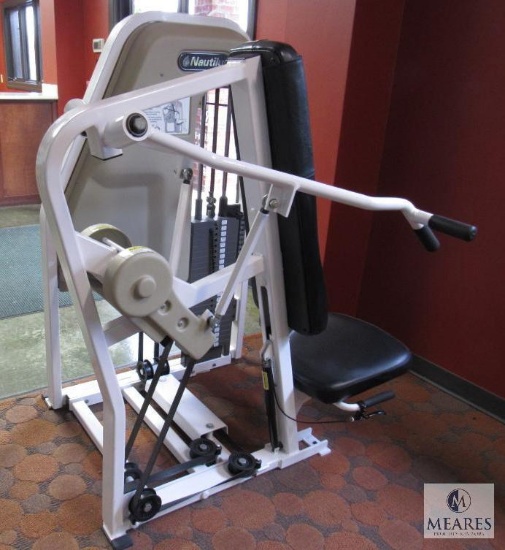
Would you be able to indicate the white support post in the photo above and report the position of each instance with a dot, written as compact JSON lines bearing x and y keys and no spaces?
{"x":238,"y":325}
{"x":51,"y":316}
{"x":182,"y":221}
{"x":252,"y":128}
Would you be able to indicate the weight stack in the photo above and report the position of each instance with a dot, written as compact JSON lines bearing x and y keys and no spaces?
{"x":215,"y":244}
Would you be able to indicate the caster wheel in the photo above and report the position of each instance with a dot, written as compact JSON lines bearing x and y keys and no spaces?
{"x":147,"y":506}
{"x":243,"y":464}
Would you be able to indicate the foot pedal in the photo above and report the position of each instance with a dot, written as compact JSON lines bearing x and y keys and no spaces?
{"x":363,"y":413}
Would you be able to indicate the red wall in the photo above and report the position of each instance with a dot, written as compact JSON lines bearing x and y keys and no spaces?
{"x":70,"y":49}
{"x":48,"y":46}
{"x":349,"y":50}
{"x":77,"y":23}
{"x":413,"y":107}
{"x":444,"y":149}
{"x":374,"y":46}
{"x":96,"y":25}
{"x":323,"y":37}
{"x":3,"y":67}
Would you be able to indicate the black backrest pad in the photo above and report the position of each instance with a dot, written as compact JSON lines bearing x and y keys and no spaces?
{"x":291,"y":151}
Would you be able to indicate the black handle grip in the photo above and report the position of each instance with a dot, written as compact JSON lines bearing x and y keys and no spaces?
{"x":427,"y":238}
{"x":376,"y":399}
{"x":460,"y":230}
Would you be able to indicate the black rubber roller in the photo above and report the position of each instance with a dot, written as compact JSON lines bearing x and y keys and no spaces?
{"x":243,"y":464}
{"x":146,"y":507}
{"x":203,"y":447}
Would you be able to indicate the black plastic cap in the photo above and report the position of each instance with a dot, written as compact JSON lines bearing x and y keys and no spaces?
{"x":427,"y":238}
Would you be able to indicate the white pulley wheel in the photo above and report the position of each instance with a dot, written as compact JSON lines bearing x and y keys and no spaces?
{"x":137,"y":281}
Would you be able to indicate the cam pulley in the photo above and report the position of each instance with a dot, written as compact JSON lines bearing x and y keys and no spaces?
{"x":105,"y":232}
{"x":138,"y":282}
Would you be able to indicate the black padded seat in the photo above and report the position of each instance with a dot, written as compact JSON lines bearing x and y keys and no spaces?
{"x":347,"y":358}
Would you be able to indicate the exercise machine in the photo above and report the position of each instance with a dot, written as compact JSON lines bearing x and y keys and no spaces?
{"x":116,"y":169}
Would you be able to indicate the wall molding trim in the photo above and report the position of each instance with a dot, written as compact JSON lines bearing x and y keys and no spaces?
{"x":483,"y":400}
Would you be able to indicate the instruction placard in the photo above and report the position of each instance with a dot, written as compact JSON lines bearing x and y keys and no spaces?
{"x":170,"y":118}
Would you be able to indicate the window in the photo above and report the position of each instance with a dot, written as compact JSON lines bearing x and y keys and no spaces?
{"x":240,"y":11}
{"x":22,"y":45}
{"x":171,"y":6}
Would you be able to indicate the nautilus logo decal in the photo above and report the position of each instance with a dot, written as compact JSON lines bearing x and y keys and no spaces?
{"x":199,"y":61}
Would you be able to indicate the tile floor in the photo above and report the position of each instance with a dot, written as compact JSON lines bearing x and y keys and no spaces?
{"x":22,"y":361}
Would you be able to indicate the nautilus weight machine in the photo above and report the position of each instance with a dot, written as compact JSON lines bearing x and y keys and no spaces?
{"x":106,"y":152}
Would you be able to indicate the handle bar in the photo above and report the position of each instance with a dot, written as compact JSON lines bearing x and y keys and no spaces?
{"x":422,"y":222}
{"x":118,"y":134}
{"x":453,"y":228}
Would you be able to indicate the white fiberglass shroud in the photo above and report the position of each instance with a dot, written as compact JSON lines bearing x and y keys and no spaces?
{"x":138,"y":191}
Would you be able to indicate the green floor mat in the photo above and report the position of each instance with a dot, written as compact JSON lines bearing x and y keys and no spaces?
{"x":21,"y":272}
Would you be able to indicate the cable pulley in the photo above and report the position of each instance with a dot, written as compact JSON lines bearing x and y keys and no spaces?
{"x":243,"y":464}
{"x":132,"y":472}
{"x":145,"y":507}
{"x":204,"y":448}
{"x":146,"y":369}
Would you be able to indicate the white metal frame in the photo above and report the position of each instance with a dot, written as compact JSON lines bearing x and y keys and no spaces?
{"x":104,"y":122}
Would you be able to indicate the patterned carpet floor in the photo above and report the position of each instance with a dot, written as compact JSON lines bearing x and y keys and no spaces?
{"x":366,"y":494}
